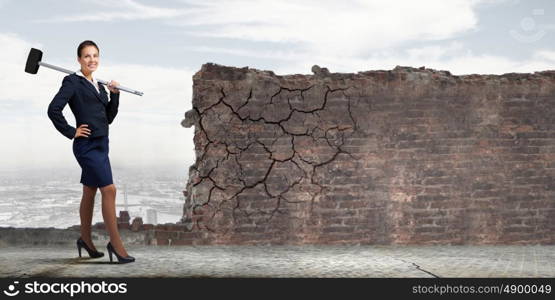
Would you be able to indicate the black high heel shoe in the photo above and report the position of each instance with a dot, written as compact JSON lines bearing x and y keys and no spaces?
{"x":121,"y":259}
{"x":92,"y":253}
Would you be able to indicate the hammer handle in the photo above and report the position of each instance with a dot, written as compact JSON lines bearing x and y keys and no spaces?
{"x":119,"y":87}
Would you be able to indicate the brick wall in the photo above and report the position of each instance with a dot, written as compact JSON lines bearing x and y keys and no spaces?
{"x":406,"y":156}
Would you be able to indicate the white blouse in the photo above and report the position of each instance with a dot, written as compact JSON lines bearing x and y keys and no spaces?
{"x":93,"y":82}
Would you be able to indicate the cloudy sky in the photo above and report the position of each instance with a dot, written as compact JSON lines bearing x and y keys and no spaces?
{"x":156,"y":47}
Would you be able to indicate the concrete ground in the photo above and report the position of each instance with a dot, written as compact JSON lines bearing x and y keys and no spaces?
{"x":285,"y":261}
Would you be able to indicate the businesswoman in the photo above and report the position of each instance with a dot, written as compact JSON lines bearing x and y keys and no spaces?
{"x":93,"y":112}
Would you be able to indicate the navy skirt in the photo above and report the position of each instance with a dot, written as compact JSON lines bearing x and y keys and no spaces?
{"x":92,"y":155}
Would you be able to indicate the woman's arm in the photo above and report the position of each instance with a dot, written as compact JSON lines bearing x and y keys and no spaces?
{"x":57,"y":105}
{"x":112,"y":108}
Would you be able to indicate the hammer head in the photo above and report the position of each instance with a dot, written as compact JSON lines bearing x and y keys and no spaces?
{"x":32,"y":66}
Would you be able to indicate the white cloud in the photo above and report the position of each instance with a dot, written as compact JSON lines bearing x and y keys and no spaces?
{"x":546,"y":55}
{"x":342,"y":28}
{"x":274,"y":54}
{"x":15,"y":84}
{"x":146,"y":131}
{"x":434,"y":52}
{"x":123,"y":10}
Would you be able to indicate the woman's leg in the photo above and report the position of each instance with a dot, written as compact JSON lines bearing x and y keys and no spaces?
{"x":110,"y":220}
{"x":86,"y":214}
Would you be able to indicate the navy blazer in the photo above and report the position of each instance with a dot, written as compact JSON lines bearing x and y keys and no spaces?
{"x":88,"y":106}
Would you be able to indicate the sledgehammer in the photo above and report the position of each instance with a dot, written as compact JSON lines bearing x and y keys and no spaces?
{"x":34,"y":62}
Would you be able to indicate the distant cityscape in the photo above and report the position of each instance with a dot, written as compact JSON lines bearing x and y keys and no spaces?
{"x":51,"y":197}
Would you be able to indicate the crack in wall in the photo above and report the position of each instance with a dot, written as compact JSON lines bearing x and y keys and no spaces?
{"x":333,"y":136}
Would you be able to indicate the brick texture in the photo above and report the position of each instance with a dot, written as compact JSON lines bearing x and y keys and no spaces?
{"x":405,"y":156}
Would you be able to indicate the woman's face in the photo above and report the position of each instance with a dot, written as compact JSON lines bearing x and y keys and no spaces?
{"x":89,"y":59}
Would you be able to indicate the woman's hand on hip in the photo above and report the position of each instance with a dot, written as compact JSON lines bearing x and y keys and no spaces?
{"x":111,"y":86}
{"x":82,"y":131}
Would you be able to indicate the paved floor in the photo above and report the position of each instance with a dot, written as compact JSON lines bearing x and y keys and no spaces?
{"x":287,"y":261}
